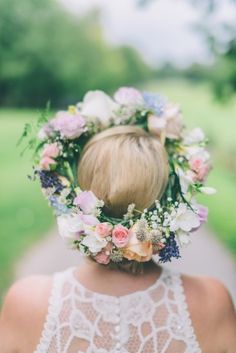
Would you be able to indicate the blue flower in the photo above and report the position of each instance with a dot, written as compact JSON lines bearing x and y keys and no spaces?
{"x":171,"y":250}
{"x":154,"y":102}
{"x":59,"y":207}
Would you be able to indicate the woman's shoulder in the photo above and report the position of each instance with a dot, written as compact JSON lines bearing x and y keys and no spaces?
{"x":212,"y":311}
{"x":29,"y":291}
{"x":209,"y":291}
{"x":25,"y":307}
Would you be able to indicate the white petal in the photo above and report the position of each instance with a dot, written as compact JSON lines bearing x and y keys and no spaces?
{"x":207,"y":190}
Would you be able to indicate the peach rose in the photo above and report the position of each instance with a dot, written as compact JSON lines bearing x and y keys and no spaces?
{"x":120,"y":236}
{"x":104,"y":229}
{"x":137,"y":250}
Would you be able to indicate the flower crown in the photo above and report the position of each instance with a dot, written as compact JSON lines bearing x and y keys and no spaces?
{"x":138,"y":235}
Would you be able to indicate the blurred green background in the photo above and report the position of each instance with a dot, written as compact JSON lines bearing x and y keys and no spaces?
{"x":50,"y":53}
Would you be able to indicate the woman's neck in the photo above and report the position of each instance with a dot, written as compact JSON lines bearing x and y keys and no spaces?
{"x":102,"y":279}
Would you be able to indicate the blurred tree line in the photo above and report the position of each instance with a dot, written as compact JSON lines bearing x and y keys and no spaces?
{"x":48,"y":54}
{"x":220,"y":37}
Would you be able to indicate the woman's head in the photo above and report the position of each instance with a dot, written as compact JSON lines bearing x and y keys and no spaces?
{"x":124,"y":165}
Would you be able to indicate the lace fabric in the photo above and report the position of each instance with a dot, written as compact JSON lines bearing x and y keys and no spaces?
{"x":155,"y":320}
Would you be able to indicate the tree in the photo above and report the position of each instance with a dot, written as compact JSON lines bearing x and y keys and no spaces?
{"x":221,"y":41}
{"x":49,"y":54}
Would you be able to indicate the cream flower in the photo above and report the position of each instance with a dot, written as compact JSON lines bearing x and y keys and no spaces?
{"x":184,"y":219}
{"x":129,"y":96}
{"x":70,"y":226}
{"x":93,"y":241}
{"x":184,"y":238}
{"x":195,"y":136}
{"x":156,"y":125}
{"x":97,"y":104}
{"x":174,"y":123}
{"x":185,"y":179}
{"x":197,"y":151}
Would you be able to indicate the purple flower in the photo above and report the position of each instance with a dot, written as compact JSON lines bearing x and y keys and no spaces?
{"x":90,"y":220}
{"x":202,"y":213}
{"x":86,"y":201}
{"x":128,"y":96}
{"x":171,"y":250}
{"x":69,"y":125}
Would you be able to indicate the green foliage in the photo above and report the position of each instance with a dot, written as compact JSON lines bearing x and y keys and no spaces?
{"x":49,"y":54}
{"x":24,"y":214}
{"x":224,"y":73}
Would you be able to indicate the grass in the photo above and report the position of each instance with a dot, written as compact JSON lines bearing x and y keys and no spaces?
{"x":24,"y":214}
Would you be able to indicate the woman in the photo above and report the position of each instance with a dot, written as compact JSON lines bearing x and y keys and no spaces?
{"x":120,"y":300}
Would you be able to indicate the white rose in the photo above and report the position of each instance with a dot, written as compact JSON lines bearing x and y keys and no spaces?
{"x":195,"y":136}
{"x":69,"y":225}
{"x":184,"y":238}
{"x":184,"y":219}
{"x":97,"y":104}
{"x":94,"y":242}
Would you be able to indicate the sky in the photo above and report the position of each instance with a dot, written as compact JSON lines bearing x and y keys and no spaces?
{"x":162,"y":31}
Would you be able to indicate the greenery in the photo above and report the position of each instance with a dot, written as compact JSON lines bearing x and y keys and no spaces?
{"x":47,"y":53}
{"x":25,"y":215}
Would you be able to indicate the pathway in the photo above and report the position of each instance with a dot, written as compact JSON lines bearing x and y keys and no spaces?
{"x":205,"y":256}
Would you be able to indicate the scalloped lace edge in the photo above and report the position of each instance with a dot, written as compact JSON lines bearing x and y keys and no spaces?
{"x":53,"y":309}
{"x":182,"y":301}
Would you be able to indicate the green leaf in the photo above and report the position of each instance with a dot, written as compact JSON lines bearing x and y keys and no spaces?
{"x":44,"y":115}
{"x":27,"y":130}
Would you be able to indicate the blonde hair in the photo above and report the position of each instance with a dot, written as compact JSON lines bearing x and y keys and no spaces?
{"x":124,"y":165}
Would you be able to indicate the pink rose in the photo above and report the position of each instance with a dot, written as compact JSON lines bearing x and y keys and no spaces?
{"x":128,"y":96}
{"x":46,"y":162}
{"x":104,"y":229}
{"x":102,"y":258}
{"x":199,"y":167}
{"x":51,"y":150}
{"x":69,"y":125}
{"x":86,"y":201}
{"x":120,"y":236}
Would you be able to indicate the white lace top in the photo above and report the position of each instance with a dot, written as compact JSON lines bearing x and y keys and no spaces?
{"x":155,"y":320}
